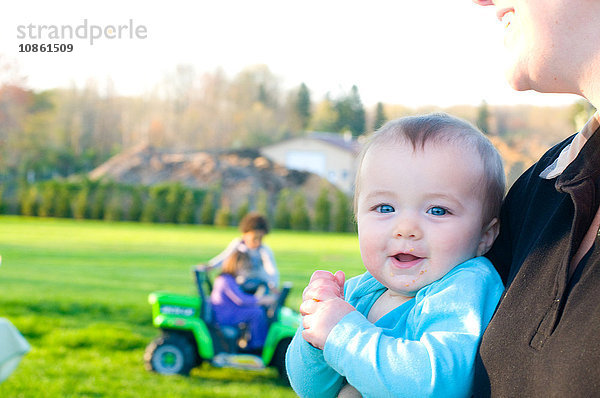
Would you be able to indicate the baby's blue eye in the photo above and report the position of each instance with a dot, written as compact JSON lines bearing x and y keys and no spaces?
{"x":384,"y":209}
{"x":437,"y":211}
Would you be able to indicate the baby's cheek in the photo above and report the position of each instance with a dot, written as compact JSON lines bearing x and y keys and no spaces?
{"x":369,"y":249}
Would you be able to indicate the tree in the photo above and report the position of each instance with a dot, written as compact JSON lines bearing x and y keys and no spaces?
{"x":152,"y":206}
{"x":380,"y":117}
{"x":303,"y":106}
{"x":173,"y":201}
{"x":137,"y":205}
{"x":48,"y":199}
{"x":342,"y":218}
{"x":114,"y":208}
{"x":351,"y":113}
{"x":30,"y":201}
{"x":188,"y":208}
{"x":299,"y":218}
{"x":99,"y":202}
{"x":581,"y":111}
{"x":223,"y":217}
{"x":80,"y":203}
{"x":242,"y":210}
{"x":483,"y":116}
{"x":262,"y":204}
{"x":325,"y":116}
{"x":282,"y":211}
{"x":63,"y":202}
{"x":2,"y":203}
{"x":323,"y":211}
{"x":207,"y":212}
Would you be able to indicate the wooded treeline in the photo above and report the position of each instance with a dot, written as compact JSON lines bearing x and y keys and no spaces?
{"x":64,"y":131}
{"x":57,"y":133}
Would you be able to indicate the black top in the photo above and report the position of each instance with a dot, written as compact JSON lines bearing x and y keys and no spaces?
{"x":544,"y":339}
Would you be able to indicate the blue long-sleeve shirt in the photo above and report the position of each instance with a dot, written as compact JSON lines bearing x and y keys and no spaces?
{"x":424,"y":348}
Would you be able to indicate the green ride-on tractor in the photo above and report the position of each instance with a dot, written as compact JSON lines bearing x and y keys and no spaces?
{"x":190,"y":334}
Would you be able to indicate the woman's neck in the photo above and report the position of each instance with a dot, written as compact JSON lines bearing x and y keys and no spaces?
{"x":589,"y":81}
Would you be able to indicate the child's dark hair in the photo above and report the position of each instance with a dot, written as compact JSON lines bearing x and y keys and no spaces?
{"x":254,"y":221}
{"x":439,"y":128}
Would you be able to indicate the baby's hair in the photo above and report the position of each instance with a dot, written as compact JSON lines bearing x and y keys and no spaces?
{"x":439,"y":128}
{"x":254,"y":221}
{"x":235,"y":263}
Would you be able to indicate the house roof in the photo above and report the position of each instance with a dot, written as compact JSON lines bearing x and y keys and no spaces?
{"x":344,"y":142}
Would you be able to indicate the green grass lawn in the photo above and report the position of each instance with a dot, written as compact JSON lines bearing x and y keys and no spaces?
{"x":77,"y":290}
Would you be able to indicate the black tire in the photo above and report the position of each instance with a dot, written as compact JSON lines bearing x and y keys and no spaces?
{"x":170,"y":354}
{"x":278,"y":360}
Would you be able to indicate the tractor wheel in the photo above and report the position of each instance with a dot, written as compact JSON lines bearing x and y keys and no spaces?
{"x":278,"y":360}
{"x":170,"y":354}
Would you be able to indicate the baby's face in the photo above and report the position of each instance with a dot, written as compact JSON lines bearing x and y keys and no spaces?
{"x":419,"y":213}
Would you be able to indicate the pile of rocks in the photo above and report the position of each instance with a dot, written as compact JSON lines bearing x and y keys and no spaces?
{"x":241,"y":175}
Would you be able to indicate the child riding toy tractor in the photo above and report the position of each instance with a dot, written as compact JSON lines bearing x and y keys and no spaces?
{"x":190,"y":335}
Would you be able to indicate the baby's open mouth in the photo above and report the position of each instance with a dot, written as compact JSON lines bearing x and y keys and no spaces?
{"x":405,"y":257}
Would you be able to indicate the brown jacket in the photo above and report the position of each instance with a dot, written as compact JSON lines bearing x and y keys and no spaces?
{"x":544,"y":339}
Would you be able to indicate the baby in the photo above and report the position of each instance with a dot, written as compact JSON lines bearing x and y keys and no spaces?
{"x":427,"y":197}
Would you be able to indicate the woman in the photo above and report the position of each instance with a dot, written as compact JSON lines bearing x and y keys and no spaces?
{"x":543,"y":338}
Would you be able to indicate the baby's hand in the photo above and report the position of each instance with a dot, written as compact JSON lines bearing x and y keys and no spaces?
{"x":324,"y":285}
{"x":323,"y":306}
{"x":320,"y":317}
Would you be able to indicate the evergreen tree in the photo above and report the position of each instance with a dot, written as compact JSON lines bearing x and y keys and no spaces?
{"x":262,"y":204}
{"x":114,"y":209}
{"x":342,"y":219}
{"x":136,"y":206}
{"x":282,"y":211}
{"x":173,"y":200}
{"x":80,"y":203}
{"x":303,"y":106}
{"x":188,"y":208}
{"x":351,"y":113}
{"x":299,"y":218}
{"x":380,"y":117}
{"x":325,"y":117}
{"x":207,"y":212}
{"x":580,"y":112}
{"x":242,"y":210}
{"x":2,"y":204}
{"x":97,"y":209}
{"x":63,"y":202}
{"x":323,"y":211}
{"x":223,"y":217}
{"x":30,"y":201}
{"x":150,"y":212}
{"x":483,"y":116}
{"x":48,"y":199}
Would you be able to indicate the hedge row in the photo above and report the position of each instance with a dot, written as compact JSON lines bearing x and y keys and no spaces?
{"x":170,"y":203}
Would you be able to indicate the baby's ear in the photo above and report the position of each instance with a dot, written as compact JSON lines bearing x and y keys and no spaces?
{"x":488,"y":236}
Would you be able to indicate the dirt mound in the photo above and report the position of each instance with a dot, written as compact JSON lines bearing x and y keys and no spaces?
{"x":241,"y":175}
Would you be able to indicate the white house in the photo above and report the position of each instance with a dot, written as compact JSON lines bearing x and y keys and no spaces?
{"x":330,"y":155}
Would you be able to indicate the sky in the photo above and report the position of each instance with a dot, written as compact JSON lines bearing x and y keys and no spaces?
{"x":407,"y":52}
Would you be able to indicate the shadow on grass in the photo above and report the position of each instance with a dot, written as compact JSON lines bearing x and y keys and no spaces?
{"x":226,"y":376}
